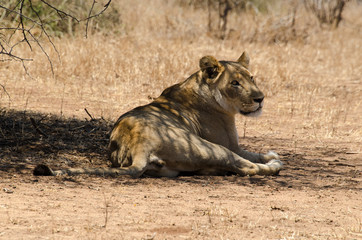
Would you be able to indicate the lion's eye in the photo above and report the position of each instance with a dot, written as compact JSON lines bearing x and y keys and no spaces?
{"x":252,"y":79}
{"x":235,"y":83}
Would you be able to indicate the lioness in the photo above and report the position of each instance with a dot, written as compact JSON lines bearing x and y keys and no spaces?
{"x":189,"y":128}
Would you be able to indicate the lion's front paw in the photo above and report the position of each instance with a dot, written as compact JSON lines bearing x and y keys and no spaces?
{"x":275,"y":166}
{"x":270,"y":156}
{"x":275,"y":162}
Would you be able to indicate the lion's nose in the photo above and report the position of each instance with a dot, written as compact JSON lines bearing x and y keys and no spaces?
{"x":258,"y":100}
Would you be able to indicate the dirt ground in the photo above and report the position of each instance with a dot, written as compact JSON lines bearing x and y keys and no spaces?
{"x":317,"y":195}
{"x":312,"y":80}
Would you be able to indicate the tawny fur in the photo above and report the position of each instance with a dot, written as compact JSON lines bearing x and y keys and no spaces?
{"x":190,"y":127}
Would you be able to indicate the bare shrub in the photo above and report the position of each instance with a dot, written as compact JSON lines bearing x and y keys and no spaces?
{"x":280,"y":28}
{"x":272,"y":21}
{"x":31,"y":22}
{"x":327,"y":11}
{"x":218,"y":13}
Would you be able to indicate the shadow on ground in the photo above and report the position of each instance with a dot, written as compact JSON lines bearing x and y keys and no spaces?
{"x":28,"y":139}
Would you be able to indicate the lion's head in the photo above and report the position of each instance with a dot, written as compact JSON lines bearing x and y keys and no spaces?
{"x":233,"y":85}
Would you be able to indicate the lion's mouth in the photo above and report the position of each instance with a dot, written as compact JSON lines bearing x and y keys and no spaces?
{"x":255,"y":113}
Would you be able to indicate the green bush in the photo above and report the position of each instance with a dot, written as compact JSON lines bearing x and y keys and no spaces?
{"x":62,"y":17}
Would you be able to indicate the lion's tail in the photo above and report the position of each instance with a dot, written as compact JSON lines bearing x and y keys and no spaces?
{"x":44,"y":170}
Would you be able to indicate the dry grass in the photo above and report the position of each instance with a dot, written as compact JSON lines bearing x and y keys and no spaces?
{"x":313,"y":83}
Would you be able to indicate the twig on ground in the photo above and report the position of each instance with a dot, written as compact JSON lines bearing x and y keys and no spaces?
{"x":37,"y":128}
{"x":6,"y":92}
{"x":77,"y":128}
{"x":92,"y":118}
{"x":106,"y":212}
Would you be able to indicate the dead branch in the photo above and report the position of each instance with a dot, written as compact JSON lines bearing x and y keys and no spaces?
{"x":19,"y":14}
{"x":22,"y":25}
{"x":90,"y":12}
{"x":43,"y":30}
{"x":60,"y":12}
{"x":90,"y":16}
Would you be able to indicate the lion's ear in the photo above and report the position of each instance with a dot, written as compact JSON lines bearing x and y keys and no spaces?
{"x":210,"y":67}
{"x":244,"y":60}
